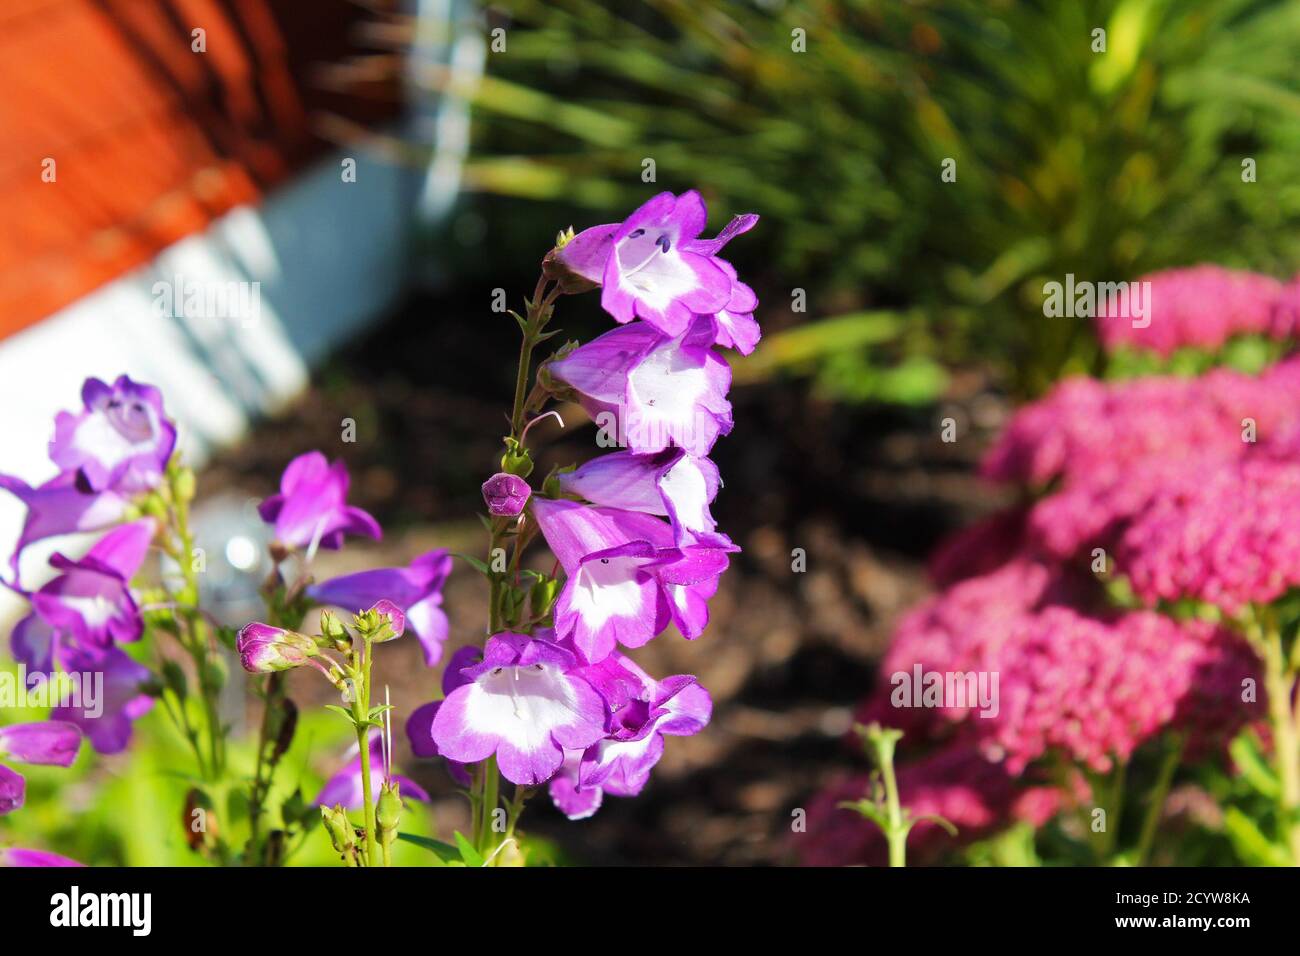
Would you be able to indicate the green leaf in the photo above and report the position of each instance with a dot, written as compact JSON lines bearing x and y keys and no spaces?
{"x":935,"y":818}
{"x":1254,"y":769}
{"x":1254,"y":848}
{"x":443,"y":851}
{"x":468,"y":854}
{"x":478,"y":565}
{"x":347,"y":714}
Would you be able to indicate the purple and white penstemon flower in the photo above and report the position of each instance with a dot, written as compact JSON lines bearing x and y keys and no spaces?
{"x":416,"y":589}
{"x":89,"y":605}
{"x":50,"y":742}
{"x":551,"y":699}
{"x":642,"y":712}
{"x":655,"y":391}
{"x":524,"y":703}
{"x":673,"y":484}
{"x":311,"y":509}
{"x":653,"y":265}
{"x":610,"y":596}
{"x":121,"y":440}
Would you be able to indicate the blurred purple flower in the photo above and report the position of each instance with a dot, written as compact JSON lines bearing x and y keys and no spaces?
{"x":416,"y":589}
{"x":311,"y":508}
{"x":122,"y":439}
{"x":345,"y":789}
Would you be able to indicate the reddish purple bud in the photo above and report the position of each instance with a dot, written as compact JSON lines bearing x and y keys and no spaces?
{"x":263,"y":648}
{"x":53,"y":742}
{"x":506,"y":494}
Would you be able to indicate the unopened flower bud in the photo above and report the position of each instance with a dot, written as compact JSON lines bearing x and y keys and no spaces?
{"x":340,"y":829}
{"x":383,"y":622}
{"x":577,"y":263}
{"x":388,"y":812}
{"x":506,"y":495}
{"x":264,"y":649}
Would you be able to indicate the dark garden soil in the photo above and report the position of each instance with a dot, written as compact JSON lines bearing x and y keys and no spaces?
{"x":865,"y":493}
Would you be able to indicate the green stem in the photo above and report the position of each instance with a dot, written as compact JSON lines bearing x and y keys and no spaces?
{"x":1280,"y":683}
{"x":1114,"y":807}
{"x":1157,"y":797}
{"x":361,"y":714}
{"x":896,"y":835}
{"x":491,"y":787}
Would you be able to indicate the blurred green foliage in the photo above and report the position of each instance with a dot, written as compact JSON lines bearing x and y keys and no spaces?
{"x":1103,"y":164}
{"x":131,"y":810}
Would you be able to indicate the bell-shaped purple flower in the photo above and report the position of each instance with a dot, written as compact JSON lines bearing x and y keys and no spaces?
{"x":416,"y":589}
{"x":121,"y":440}
{"x":657,"y":391}
{"x":311,"y":508}
{"x":505,"y":495}
{"x":419,"y":726}
{"x":345,"y":789}
{"x":610,"y":596}
{"x":90,"y":602}
{"x":109,"y":723}
{"x":659,"y":270}
{"x":642,"y":712}
{"x":62,"y":505}
{"x":673,"y":484}
{"x":49,"y":742}
{"x":525,"y":704}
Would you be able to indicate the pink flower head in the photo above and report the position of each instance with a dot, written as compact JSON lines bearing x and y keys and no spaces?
{"x":658,"y":391}
{"x":1228,"y":536}
{"x":415,"y":589}
{"x":121,"y":440}
{"x":525,"y":703}
{"x":312,"y":507}
{"x":1199,"y":307}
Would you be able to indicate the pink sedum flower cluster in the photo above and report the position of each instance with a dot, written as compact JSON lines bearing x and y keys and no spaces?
{"x":1202,"y":307}
{"x":1181,"y":497}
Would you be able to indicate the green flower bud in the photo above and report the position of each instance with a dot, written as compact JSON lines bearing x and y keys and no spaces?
{"x":340,"y":829}
{"x":173,"y":678}
{"x":388,"y":812}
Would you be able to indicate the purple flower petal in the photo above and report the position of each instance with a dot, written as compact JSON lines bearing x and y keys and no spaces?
{"x":524,"y":704}
{"x":16,"y":857}
{"x":13,"y":790}
{"x":50,"y":742}
{"x":121,"y":440}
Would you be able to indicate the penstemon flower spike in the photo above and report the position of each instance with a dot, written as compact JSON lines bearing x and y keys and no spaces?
{"x":546,"y":700}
